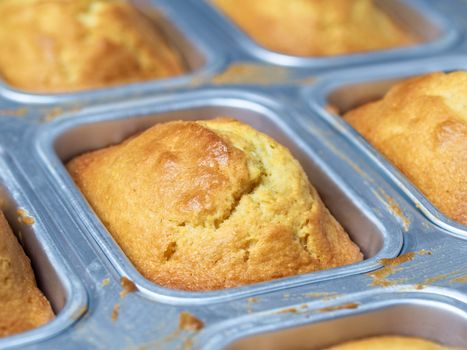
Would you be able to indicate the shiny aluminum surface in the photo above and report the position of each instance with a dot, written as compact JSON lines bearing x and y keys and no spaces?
{"x":79,"y":266}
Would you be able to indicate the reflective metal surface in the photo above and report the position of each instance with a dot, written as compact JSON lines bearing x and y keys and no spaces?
{"x":79,"y":267}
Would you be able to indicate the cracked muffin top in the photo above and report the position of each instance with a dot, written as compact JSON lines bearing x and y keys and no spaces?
{"x":391,"y":343}
{"x":420,"y":125}
{"x":63,"y":46}
{"x":316,"y":27}
{"x":22,"y":305}
{"x":212,"y":204}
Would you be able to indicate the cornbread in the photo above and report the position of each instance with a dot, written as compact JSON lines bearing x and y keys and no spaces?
{"x":62,"y":45}
{"x":316,"y":27}
{"x":22,"y":305}
{"x":391,"y":343}
{"x":211,"y":204}
{"x":420,"y":125}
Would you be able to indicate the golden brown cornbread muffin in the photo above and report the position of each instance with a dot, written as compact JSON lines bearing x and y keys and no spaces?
{"x":62,"y":45}
{"x":316,"y":27}
{"x":391,"y":343}
{"x":421,"y":126}
{"x":22,"y":305}
{"x":211,"y":204}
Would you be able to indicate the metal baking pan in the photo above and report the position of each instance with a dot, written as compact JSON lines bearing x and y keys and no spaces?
{"x":432,"y":317}
{"x":59,"y":284}
{"x":93,"y":129}
{"x":414,"y":276}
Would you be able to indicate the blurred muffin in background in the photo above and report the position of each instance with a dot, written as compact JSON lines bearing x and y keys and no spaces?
{"x":63,"y":46}
{"x":316,"y":27}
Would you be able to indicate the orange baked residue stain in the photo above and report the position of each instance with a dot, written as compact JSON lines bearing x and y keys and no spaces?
{"x":398,"y":259}
{"x":462,"y":279}
{"x":339,"y":307}
{"x":390,"y":267}
{"x":128,"y":286}
{"x":13,"y":112}
{"x":115,"y":312}
{"x":52,"y":113}
{"x":290,"y":310}
{"x":189,"y":322}
{"x":437,"y":278}
{"x":394,"y":207}
{"x":248,"y":73}
{"x":434,"y":279}
{"x":24,"y":217}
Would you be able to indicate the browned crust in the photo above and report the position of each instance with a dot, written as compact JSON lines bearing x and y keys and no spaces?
{"x":209,"y":205}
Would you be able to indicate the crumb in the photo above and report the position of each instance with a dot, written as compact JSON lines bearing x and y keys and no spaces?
{"x":188,"y":322}
{"x":128,"y":286}
{"x":115,"y":312}
{"x":339,"y":307}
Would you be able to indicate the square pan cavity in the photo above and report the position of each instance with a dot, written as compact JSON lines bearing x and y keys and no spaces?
{"x":352,"y":88}
{"x":95,"y":128}
{"x":434,"y":32}
{"x":185,"y":35}
{"x":417,"y":317}
{"x":60,"y":286}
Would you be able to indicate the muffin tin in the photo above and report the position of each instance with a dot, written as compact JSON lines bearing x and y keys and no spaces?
{"x":413,"y":278}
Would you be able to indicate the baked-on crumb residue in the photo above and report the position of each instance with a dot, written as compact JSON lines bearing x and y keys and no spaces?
{"x":189,"y":322}
{"x":339,"y":307}
{"x":24,"y":217}
{"x":115,"y":312}
{"x":389,"y":267}
{"x":128,"y":286}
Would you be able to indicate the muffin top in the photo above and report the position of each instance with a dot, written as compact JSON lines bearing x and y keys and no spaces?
{"x":211,"y":204}
{"x":391,"y":343}
{"x":62,"y":46}
{"x":421,"y":126}
{"x":316,"y":27}
{"x":22,"y":305}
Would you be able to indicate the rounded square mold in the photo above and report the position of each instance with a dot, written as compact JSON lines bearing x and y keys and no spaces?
{"x":436,"y":34}
{"x":58,"y":141}
{"x":351,"y":88}
{"x":434,"y":317}
{"x":183,"y":31}
{"x":58,"y":283}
